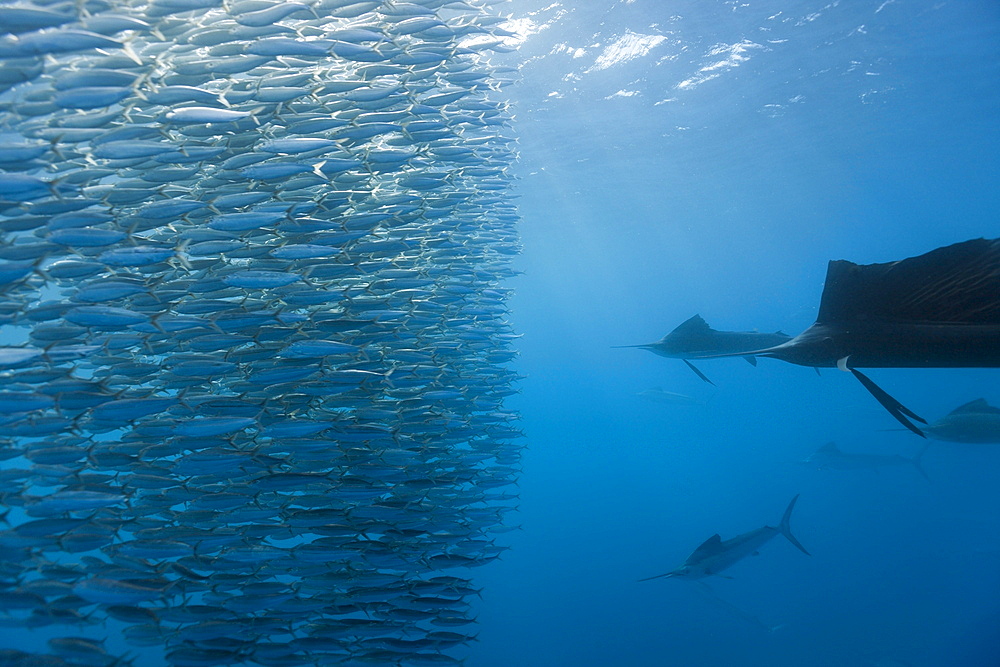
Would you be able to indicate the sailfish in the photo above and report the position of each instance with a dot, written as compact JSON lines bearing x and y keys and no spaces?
{"x":695,"y":339}
{"x":715,"y":554}
{"x":937,"y":310}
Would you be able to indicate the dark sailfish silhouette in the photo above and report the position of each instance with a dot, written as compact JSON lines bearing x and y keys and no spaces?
{"x":938,"y":310}
{"x":715,"y":554}
{"x":695,"y":339}
{"x":974,"y":422}
{"x":831,"y":456}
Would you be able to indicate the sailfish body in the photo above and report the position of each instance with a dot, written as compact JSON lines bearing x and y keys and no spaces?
{"x":695,"y":339}
{"x":975,"y":422}
{"x":715,"y":554}
{"x":889,"y":345}
{"x":938,"y":310}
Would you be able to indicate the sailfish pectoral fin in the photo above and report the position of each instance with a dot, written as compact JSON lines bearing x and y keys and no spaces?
{"x":698,"y":373}
{"x":895,"y":408}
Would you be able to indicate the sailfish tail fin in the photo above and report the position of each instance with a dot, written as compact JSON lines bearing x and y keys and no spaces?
{"x":786,"y":528}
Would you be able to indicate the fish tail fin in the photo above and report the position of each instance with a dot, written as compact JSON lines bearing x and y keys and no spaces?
{"x":180,"y":255}
{"x":786,"y":528}
{"x":54,"y":147}
{"x":130,"y":52}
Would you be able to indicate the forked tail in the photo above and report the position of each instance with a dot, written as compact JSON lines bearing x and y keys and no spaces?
{"x":786,"y":529}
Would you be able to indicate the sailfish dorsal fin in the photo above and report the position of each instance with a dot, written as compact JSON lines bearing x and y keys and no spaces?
{"x":694,"y":326}
{"x":957,"y":284}
{"x":978,"y":407}
{"x":709,"y":547}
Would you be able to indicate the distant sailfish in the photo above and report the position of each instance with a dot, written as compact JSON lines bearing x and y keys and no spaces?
{"x":975,"y":422}
{"x":715,"y":554}
{"x":694,"y":339}
{"x":831,"y":456}
{"x":661,"y":395}
{"x":937,"y":310}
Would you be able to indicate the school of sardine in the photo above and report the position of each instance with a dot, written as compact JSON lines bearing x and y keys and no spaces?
{"x":253,"y":339}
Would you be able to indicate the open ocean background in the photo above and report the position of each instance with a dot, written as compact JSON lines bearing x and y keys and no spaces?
{"x":682,"y":157}
{"x":711,"y":157}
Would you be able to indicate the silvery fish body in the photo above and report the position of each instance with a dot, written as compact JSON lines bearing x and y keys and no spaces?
{"x":251,"y":253}
{"x":974,"y":422}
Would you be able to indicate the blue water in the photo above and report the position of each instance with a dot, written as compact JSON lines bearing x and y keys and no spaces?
{"x":700,"y":156}
{"x":652,"y":190}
